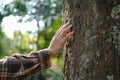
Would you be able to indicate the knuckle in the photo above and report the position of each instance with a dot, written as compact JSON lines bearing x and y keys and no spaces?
{"x":64,"y":31}
{"x":64,"y":25}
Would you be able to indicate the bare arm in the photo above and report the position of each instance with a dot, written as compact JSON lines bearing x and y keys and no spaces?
{"x":60,"y":38}
{"x":19,"y":66}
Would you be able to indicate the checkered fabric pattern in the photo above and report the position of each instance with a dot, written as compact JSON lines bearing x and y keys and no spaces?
{"x":19,"y":67}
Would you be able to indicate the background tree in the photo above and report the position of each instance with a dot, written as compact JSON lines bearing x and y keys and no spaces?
{"x":1,"y":37}
{"x":35,"y":10}
{"x":47,"y":11}
{"x":94,"y":51}
{"x":5,"y":44}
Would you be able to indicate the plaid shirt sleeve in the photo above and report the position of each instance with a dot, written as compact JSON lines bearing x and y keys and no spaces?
{"x":19,"y":67}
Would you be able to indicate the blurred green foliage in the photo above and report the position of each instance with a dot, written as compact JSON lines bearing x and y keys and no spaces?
{"x":48,"y":11}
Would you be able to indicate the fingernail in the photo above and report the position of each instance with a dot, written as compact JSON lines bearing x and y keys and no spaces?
{"x":71,"y":25}
{"x":72,"y":32}
{"x":69,"y":22}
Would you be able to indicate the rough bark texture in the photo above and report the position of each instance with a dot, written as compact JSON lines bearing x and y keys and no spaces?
{"x":94,"y":51}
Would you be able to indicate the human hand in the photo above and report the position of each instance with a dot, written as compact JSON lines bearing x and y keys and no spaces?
{"x":60,"y":38}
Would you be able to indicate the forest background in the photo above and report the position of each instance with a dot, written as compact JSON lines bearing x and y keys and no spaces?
{"x":29,"y":25}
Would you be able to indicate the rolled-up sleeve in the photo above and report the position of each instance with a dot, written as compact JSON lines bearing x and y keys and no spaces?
{"x":18,"y":67}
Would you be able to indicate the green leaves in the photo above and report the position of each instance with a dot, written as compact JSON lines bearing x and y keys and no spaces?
{"x":48,"y":11}
{"x":16,"y":8}
{"x":20,"y":8}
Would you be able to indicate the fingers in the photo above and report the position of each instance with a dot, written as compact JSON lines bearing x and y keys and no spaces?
{"x":63,"y":27}
{"x":66,"y":30}
{"x":69,"y":35}
{"x":60,"y":38}
{"x":58,"y":30}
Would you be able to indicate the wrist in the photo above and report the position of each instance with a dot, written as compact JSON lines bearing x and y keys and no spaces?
{"x":51,"y":52}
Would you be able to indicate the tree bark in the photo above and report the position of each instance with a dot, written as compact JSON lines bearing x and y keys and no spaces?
{"x":94,"y":51}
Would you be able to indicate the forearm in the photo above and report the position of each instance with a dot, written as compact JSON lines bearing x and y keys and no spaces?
{"x":18,"y":66}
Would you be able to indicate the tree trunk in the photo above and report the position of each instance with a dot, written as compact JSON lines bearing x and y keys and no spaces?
{"x":94,"y":51}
